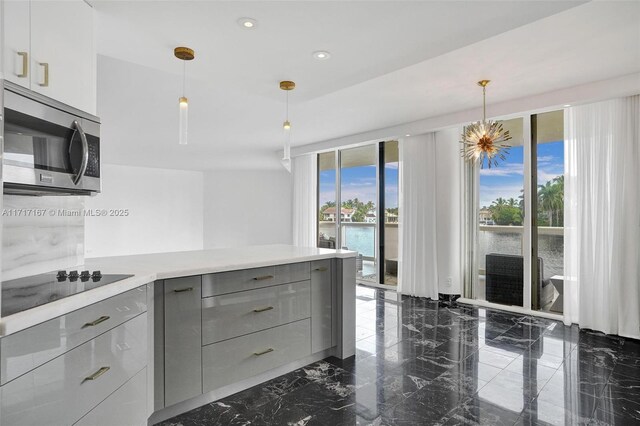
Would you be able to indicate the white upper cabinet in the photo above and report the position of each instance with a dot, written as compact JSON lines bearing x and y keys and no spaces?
{"x":58,"y":37}
{"x":16,"y":42}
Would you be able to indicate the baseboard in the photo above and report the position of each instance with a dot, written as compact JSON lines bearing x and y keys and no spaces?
{"x":448,"y":297}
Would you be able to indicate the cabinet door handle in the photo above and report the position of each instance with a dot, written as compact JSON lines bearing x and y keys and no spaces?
{"x":321,"y":269}
{"x":45,"y":65}
{"x":182,"y":290}
{"x":97,"y":374}
{"x":264,"y":277}
{"x":25,"y":64}
{"x":96,"y":322}
{"x":266,"y":351}
{"x":268,"y":308}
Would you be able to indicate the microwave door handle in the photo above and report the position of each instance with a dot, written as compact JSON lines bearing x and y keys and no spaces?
{"x":85,"y":152}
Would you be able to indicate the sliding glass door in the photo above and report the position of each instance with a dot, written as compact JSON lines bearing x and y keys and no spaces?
{"x":547,"y":142}
{"x":359,"y":201}
{"x":390,"y":155}
{"x":500,"y":224}
{"x":358,"y":207}
{"x":518,"y":219}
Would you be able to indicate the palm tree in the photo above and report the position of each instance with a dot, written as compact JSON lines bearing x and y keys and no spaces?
{"x":550,"y":199}
{"x":512,"y":202}
{"x":498,"y":202}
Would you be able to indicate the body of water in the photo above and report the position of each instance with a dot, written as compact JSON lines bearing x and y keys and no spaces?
{"x":361,"y":239}
{"x":550,"y":249}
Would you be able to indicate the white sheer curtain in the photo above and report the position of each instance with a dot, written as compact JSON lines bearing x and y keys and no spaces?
{"x":418,"y":275}
{"x":305,"y":181}
{"x":602,"y":216}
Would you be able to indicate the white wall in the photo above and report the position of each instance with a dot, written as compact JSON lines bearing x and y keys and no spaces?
{"x":165,"y":212}
{"x":449,"y":215}
{"x":246,"y":207}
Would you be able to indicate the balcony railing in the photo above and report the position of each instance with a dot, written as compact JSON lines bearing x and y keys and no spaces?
{"x":509,"y":240}
{"x":361,"y":237}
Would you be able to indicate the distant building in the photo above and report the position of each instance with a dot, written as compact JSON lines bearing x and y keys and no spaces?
{"x":485,"y":217}
{"x":370,"y":217}
{"x":329,"y":215}
{"x":391,"y":217}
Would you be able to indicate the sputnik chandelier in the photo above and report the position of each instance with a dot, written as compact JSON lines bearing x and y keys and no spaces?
{"x":485,"y":139}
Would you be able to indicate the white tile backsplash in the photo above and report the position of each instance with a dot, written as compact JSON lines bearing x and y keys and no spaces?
{"x":32,"y":243}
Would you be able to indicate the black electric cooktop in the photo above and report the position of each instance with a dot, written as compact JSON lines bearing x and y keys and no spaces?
{"x":25,"y":293}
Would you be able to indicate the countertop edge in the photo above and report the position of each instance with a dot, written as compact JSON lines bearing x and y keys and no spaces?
{"x":31,"y":317}
{"x":40,"y":314}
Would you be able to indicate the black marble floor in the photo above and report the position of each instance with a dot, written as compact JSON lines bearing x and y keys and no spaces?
{"x":421,"y":362}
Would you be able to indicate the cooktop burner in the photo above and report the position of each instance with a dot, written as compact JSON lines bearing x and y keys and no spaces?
{"x":25,"y":293}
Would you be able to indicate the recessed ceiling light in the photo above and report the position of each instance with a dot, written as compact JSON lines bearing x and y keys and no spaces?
{"x":321,"y":55}
{"x":407,"y":135}
{"x":566,"y":105}
{"x":248,"y":23}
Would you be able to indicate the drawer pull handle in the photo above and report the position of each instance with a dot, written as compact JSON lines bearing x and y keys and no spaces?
{"x":182,"y":290}
{"x":96,"y":322}
{"x":45,"y":67}
{"x":321,"y":269}
{"x":264,"y":277}
{"x":97,"y":374}
{"x":268,"y":308}
{"x":266,"y":351}
{"x":25,"y":64}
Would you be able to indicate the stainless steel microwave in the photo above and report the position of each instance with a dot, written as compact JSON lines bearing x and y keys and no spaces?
{"x":49,"y":148}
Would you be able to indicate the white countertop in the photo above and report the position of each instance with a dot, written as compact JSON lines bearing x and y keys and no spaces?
{"x":147,"y":268}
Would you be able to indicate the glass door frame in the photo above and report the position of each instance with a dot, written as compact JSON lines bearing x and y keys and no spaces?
{"x":380,"y":206}
{"x":530,"y":237}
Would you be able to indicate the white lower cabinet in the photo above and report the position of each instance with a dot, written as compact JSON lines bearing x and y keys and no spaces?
{"x":63,"y":390}
{"x":236,"y":359}
{"x":126,"y":406}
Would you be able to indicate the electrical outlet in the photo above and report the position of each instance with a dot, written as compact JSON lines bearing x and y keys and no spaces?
{"x":449,"y":281}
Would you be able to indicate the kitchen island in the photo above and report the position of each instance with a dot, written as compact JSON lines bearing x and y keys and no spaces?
{"x":217,"y":322}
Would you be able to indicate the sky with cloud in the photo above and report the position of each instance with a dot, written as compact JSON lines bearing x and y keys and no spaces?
{"x":507,"y":179}
{"x":360,"y":183}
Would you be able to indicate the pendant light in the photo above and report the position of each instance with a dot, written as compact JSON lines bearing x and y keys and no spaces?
{"x":287,"y":86}
{"x":485,"y":139}
{"x":184,"y":54}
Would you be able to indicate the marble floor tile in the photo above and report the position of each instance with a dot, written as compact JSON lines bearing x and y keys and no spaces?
{"x":424,"y":362}
{"x":496,"y":358}
{"x":477,"y":411}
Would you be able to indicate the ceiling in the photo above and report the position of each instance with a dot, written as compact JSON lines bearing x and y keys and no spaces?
{"x":391,"y":62}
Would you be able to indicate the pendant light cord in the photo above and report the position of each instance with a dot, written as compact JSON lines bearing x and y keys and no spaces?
{"x":287,"y":117}
{"x":484,"y":103}
{"x":184,"y":77}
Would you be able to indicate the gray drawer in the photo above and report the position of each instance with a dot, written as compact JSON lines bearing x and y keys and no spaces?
{"x":243,"y":357}
{"x":237,"y":314}
{"x":23,"y":351}
{"x":126,"y":406}
{"x":248,"y":279}
{"x":58,"y":393}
